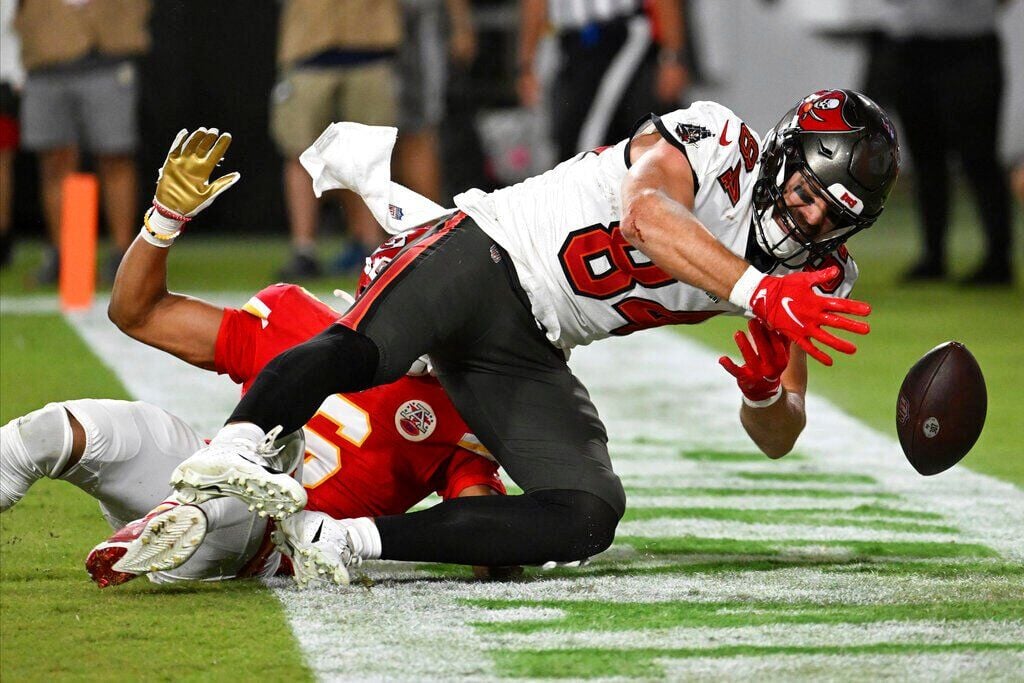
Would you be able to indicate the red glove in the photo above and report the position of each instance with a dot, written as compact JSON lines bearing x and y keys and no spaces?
{"x":789,"y":305}
{"x":760,"y":377}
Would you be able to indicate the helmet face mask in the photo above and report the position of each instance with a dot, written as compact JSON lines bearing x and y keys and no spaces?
{"x":836,"y":150}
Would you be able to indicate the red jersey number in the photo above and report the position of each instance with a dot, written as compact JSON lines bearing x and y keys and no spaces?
{"x":599,"y":263}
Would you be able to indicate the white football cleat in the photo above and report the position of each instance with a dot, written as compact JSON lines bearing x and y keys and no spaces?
{"x":162,"y":540}
{"x":233,"y":469}
{"x":319,"y":548}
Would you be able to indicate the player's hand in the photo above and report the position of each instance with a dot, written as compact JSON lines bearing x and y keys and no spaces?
{"x":765,"y":356}
{"x":183,"y":188}
{"x":789,"y":304}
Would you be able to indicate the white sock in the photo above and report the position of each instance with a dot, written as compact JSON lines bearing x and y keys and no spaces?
{"x":365,"y":537}
{"x":239,"y":430}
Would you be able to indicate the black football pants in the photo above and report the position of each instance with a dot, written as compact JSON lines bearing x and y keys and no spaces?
{"x":454,"y":294}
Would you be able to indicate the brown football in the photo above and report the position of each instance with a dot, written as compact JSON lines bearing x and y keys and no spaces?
{"x":941,"y":408}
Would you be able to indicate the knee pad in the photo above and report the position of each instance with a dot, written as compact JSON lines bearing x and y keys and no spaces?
{"x":44,"y":436}
{"x":589,"y":522}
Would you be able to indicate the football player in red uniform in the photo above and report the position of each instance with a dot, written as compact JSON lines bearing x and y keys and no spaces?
{"x":377,"y":452}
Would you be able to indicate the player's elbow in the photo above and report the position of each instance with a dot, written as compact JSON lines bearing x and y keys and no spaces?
{"x":128,"y":318}
{"x":640,"y":213}
{"x":774,"y":451}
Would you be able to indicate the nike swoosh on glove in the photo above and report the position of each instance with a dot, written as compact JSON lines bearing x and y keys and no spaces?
{"x":789,"y":304}
{"x":765,"y":357}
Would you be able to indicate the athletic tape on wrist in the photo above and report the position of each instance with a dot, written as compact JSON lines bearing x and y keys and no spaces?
{"x":744,"y":288}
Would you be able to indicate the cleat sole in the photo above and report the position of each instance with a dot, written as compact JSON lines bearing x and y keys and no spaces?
{"x":275,"y":495}
{"x":167,"y":541}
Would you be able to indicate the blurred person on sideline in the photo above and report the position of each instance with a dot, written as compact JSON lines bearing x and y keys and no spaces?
{"x":81,"y":92}
{"x":423,"y":67}
{"x":938,"y":64}
{"x":12,"y":76}
{"x":618,"y":61}
{"x":336,"y":61}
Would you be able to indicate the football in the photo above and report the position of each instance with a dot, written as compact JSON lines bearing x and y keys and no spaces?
{"x":941,"y":408}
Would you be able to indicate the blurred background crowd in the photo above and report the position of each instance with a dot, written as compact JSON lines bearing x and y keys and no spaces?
{"x":484,"y":93}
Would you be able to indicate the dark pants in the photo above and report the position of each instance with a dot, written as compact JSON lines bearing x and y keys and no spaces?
{"x":948,"y":93}
{"x":454,"y":294}
{"x":585,"y":60}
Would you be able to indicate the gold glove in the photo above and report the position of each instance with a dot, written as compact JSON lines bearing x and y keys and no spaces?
{"x":183,"y":188}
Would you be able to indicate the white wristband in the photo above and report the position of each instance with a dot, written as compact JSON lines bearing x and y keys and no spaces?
{"x":154,"y":240}
{"x":766,"y":402}
{"x":744,"y":288}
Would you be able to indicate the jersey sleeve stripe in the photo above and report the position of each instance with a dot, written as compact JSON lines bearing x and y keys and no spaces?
{"x":660,"y":125}
{"x":257,"y":308}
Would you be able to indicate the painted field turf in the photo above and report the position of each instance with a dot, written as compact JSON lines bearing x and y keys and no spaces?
{"x":53,"y":620}
{"x":837,"y":562}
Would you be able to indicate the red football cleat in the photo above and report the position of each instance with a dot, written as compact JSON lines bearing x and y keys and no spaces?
{"x":162,"y":540}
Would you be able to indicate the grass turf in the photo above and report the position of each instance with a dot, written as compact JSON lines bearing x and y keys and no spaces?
{"x":143,"y":631}
{"x":54,"y":621}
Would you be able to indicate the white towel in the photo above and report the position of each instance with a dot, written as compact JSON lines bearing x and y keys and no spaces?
{"x":351,"y":156}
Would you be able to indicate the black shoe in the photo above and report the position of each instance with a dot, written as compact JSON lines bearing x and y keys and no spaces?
{"x":990,"y":274}
{"x":351,"y":259}
{"x":49,"y":271}
{"x":925,"y":271}
{"x":301,"y":267}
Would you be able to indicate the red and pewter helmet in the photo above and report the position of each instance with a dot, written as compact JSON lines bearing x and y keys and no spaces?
{"x":845,"y":147}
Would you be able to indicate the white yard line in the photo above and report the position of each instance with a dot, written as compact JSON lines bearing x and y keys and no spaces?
{"x":664,"y":390}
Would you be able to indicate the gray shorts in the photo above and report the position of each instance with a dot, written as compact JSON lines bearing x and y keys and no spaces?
{"x":422,"y":67}
{"x":91,"y":106}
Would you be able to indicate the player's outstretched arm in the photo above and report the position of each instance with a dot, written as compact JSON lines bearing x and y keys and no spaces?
{"x":773,"y":380}
{"x":657,"y":202}
{"x":140,"y":304}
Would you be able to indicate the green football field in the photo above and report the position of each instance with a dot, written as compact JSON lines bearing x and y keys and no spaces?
{"x":836,"y":562}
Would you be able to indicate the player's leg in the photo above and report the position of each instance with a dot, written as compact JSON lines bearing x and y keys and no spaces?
{"x":108,"y":97}
{"x":974,"y":110}
{"x":122,"y":453}
{"x":48,"y":127}
{"x":518,"y":396}
{"x":928,"y":141}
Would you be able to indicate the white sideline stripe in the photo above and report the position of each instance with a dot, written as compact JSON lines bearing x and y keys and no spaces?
{"x":947,"y":666}
{"x":744,"y":531}
{"x":34,"y":304}
{"x":674,"y":392}
{"x":779,"y":635}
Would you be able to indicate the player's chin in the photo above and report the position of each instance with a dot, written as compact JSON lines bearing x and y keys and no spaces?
{"x":497,"y":573}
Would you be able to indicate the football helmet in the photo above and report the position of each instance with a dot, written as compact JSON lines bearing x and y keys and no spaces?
{"x":844,"y":148}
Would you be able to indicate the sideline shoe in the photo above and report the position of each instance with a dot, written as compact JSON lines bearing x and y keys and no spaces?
{"x":232,"y":469}
{"x":990,"y":273}
{"x":162,"y":540}
{"x":318,"y":546}
{"x":302,"y":266}
{"x":924,"y":271}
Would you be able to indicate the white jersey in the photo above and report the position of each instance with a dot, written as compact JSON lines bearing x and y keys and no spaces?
{"x":584,"y":280}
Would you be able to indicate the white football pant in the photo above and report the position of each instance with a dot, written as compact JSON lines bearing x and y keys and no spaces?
{"x":130,"y":451}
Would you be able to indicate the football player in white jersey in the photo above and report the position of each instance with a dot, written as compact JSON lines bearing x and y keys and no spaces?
{"x":690,"y":217}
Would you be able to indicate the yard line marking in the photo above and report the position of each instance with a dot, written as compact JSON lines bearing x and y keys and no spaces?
{"x":673,"y":393}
